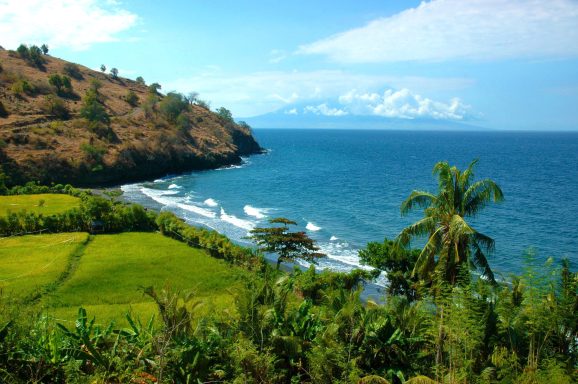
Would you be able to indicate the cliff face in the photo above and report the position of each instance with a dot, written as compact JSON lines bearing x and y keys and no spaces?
{"x":49,"y":132}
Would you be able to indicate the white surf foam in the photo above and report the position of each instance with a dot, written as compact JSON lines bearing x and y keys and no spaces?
{"x":244,"y":162}
{"x":231,"y":219}
{"x":211,"y":202}
{"x":312,"y":227}
{"x":334,"y":238}
{"x":197,"y":210}
{"x":174,"y":186}
{"x":258,"y":213}
{"x":160,"y":196}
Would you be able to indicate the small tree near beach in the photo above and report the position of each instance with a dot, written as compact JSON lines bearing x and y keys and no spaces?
{"x":289,"y":246}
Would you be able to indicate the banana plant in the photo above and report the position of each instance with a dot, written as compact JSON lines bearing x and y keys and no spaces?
{"x":84,"y":338}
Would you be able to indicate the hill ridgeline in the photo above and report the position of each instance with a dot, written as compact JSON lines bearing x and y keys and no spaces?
{"x":61,"y":122}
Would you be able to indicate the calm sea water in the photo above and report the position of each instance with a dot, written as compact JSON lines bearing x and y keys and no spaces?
{"x":345,"y":187}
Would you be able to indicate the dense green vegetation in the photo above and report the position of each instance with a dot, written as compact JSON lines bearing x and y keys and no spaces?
{"x":274,"y":327}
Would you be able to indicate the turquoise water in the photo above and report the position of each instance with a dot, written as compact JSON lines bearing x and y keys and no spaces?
{"x":344,"y":187}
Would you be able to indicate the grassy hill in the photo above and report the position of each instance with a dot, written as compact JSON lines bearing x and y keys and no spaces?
{"x":49,"y":133}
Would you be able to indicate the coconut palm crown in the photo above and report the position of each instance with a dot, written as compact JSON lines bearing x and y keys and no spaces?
{"x":451,"y":241}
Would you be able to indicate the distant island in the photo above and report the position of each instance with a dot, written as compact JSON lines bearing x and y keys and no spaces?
{"x":61,"y":122}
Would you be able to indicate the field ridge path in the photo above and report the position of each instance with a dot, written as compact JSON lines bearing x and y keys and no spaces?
{"x":71,"y":266}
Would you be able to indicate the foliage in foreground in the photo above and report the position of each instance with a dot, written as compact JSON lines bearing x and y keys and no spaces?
{"x":279,"y":332}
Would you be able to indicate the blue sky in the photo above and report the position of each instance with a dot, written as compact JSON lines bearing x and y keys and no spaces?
{"x":502,"y":64}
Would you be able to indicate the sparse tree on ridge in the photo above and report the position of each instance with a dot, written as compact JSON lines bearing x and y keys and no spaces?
{"x":451,"y":241}
{"x":154,"y":88}
{"x":103,"y":68}
{"x":192,"y":97}
{"x":225,"y":114}
{"x":44,"y":49}
{"x":114,"y":73}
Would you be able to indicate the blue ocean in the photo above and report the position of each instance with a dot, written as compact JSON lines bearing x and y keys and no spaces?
{"x":345,"y":187}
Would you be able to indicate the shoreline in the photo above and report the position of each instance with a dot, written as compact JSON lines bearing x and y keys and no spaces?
{"x":370,"y":291}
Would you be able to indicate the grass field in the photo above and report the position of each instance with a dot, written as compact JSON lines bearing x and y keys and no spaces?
{"x":115,"y":268}
{"x":46,"y":204}
{"x":30,"y":263}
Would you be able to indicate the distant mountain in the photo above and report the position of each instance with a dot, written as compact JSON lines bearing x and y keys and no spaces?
{"x":293,"y":117}
{"x":65,"y":123}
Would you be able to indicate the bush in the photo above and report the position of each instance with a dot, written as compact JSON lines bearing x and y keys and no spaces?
{"x":32,"y":55}
{"x":114,"y":73}
{"x":217,"y":245}
{"x":3,"y":111}
{"x":92,"y":109}
{"x":172,"y":105}
{"x":23,"y":51}
{"x":62,"y":84}
{"x":94,"y":154}
{"x":23,"y":87}
{"x":203,"y":104}
{"x":225,"y":114}
{"x":55,"y":107}
{"x":154,"y":88}
{"x":131,"y":98}
{"x":140,"y":80}
{"x":73,"y":71}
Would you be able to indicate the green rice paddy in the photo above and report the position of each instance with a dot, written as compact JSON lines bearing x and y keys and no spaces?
{"x":45,"y":204}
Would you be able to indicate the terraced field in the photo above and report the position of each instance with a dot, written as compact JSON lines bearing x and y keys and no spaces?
{"x":46,"y":204}
{"x":106,"y":274}
{"x":32,"y":265}
{"x":114,"y":270}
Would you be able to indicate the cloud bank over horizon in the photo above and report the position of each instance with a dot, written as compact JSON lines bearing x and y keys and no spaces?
{"x":477,"y":30}
{"x":75,"y":24}
{"x":264,"y":92}
{"x":395,"y":104}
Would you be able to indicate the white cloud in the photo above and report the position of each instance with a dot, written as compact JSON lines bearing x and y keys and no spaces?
{"x":276,"y":56}
{"x":262,"y":92}
{"x":325,"y":110}
{"x":403,"y":104}
{"x":76,"y":24}
{"x":287,"y":100}
{"x":292,"y":111}
{"x":456,"y":29}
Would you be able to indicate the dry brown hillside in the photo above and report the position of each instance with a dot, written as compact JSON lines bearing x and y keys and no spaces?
{"x":50,"y":132}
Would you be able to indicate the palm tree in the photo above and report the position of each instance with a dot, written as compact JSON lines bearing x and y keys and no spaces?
{"x":451,"y":242}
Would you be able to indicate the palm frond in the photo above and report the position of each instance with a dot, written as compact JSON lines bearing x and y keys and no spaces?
{"x":425,"y":260}
{"x":468,"y":174}
{"x":458,"y":228}
{"x":485,"y":242}
{"x":421,"y":199}
{"x":443,"y":171}
{"x":480,"y":261}
{"x":419,"y":228}
{"x":479,"y":195}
